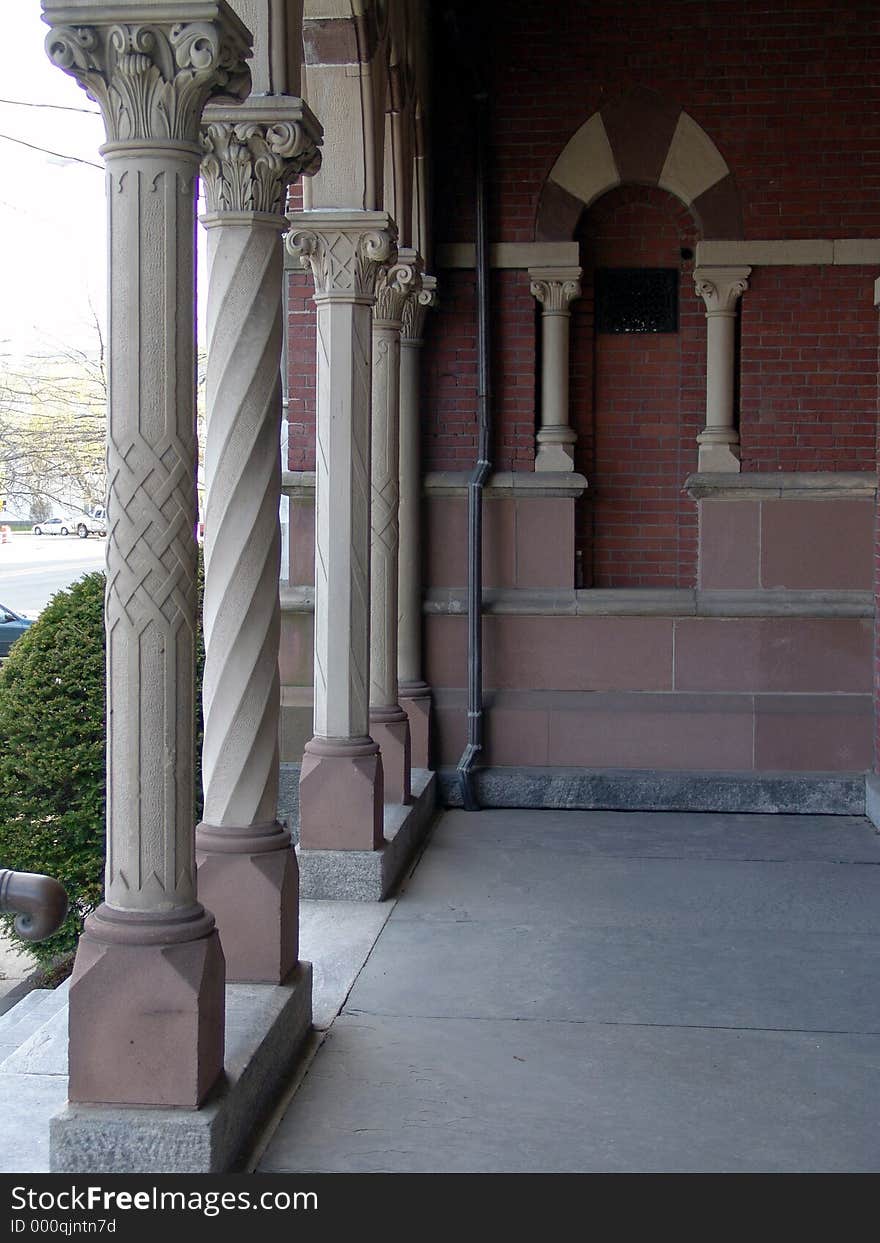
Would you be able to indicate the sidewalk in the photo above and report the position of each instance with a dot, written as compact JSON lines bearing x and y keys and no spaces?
{"x":592,"y":991}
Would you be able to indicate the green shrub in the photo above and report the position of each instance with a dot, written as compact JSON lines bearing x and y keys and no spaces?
{"x":52,"y":753}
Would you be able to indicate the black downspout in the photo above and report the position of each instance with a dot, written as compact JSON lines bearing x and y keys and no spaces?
{"x":478,"y":477}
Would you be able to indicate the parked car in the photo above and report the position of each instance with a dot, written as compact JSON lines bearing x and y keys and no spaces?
{"x":12,"y":626}
{"x":54,"y":526}
{"x":94,"y":523}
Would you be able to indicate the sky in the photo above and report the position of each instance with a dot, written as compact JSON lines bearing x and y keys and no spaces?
{"x":53,"y":269}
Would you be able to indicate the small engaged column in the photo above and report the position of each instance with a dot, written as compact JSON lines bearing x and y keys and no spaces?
{"x":341,"y":781}
{"x":720,"y":289}
{"x":389,"y":724}
{"x":555,"y":289}
{"x":414,"y":692}
{"x":248,"y":874}
{"x":147,"y":995}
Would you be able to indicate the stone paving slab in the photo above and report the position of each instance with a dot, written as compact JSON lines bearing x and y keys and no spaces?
{"x":418,"y":1095}
{"x":678,"y":835}
{"x":607,"y":991}
{"x":744,"y":979}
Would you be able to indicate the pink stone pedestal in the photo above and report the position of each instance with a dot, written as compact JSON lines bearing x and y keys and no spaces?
{"x":415,"y":699}
{"x":341,"y":795}
{"x":390,"y":730}
{"x":249,"y":878}
{"x":146,"y":1009}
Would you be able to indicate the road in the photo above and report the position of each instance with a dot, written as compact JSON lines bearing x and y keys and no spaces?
{"x":34,"y":567}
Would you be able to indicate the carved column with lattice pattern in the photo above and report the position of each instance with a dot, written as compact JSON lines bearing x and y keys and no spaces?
{"x":150,"y":940}
{"x":389,"y":724}
{"x":413,"y":690}
{"x":341,"y":781}
{"x":247,"y":870}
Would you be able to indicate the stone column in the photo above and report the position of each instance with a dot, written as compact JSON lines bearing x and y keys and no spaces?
{"x":389,"y":724}
{"x":414,"y":692}
{"x":147,"y":997}
{"x":720,"y":289}
{"x":341,"y":781}
{"x":555,"y":289}
{"x":248,"y":874}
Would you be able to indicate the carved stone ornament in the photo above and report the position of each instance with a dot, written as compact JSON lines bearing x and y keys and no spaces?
{"x":344,"y":259}
{"x":721,"y":289}
{"x":248,"y":167}
{"x":395,"y":287}
{"x":153,"y":80}
{"x":555,"y":296}
{"x":415,"y":308}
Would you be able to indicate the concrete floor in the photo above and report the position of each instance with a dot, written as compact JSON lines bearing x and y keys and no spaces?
{"x":598,"y":991}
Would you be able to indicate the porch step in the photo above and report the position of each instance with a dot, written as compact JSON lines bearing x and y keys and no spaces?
{"x":19,"y":1024}
{"x":33,"y":1077}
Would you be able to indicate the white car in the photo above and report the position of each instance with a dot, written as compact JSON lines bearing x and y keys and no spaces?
{"x":54,"y":526}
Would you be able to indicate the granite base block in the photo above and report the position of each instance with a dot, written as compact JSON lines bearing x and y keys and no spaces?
{"x":872,"y":798}
{"x":830,"y":794}
{"x":266,"y":1026}
{"x":370,"y":875}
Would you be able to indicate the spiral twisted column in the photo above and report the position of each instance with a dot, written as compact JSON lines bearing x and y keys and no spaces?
{"x":341,"y":781}
{"x":389,"y":724}
{"x":150,"y":938}
{"x":413,"y":691}
{"x":247,"y":870}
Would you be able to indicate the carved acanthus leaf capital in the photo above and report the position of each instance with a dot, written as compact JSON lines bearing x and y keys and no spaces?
{"x":396,"y":285}
{"x":152,"y":80}
{"x":555,"y":288}
{"x":416,"y":306}
{"x":345,"y":254}
{"x":721,"y":288}
{"x":247,"y":167}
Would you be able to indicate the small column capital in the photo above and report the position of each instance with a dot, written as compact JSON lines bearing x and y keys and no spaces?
{"x":555,"y":288}
{"x":254,"y":151}
{"x":414,"y":311}
{"x":396,"y":286}
{"x":721,"y":288}
{"x":344,"y":249}
{"x":151,"y":79}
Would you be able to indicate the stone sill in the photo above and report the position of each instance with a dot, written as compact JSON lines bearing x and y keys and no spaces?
{"x":817,"y":485}
{"x":504,"y":485}
{"x":648,"y":602}
{"x":625,"y":602}
{"x":299,"y":485}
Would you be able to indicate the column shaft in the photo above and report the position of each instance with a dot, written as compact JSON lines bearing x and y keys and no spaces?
{"x":555,"y":289}
{"x":150,"y":939}
{"x":720,"y":289}
{"x":247,"y":869}
{"x":414,"y":693}
{"x":388,"y":721}
{"x":341,"y":783}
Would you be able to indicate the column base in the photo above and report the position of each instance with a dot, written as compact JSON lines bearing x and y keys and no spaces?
{"x":249,"y":879}
{"x":389,"y":728}
{"x":146,"y":1009}
{"x":555,"y":457}
{"x":341,"y":795}
{"x":718,"y":457}
{"x":415,"y":699}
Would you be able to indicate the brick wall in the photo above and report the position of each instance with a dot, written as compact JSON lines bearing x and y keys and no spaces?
{"x":808,"y":372}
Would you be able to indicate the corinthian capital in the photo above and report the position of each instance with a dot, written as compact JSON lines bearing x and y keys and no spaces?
{"x":555,"y":288}
{"x":416,"y":306}
{"x":396,"y":286}
{"x":345,"y":250}
{"x":151,"y":78}
{"x":253,"y":153}
{"x":721,"y":288}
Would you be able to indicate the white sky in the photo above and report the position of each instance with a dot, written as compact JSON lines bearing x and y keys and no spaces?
{"x":52,"y":212}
